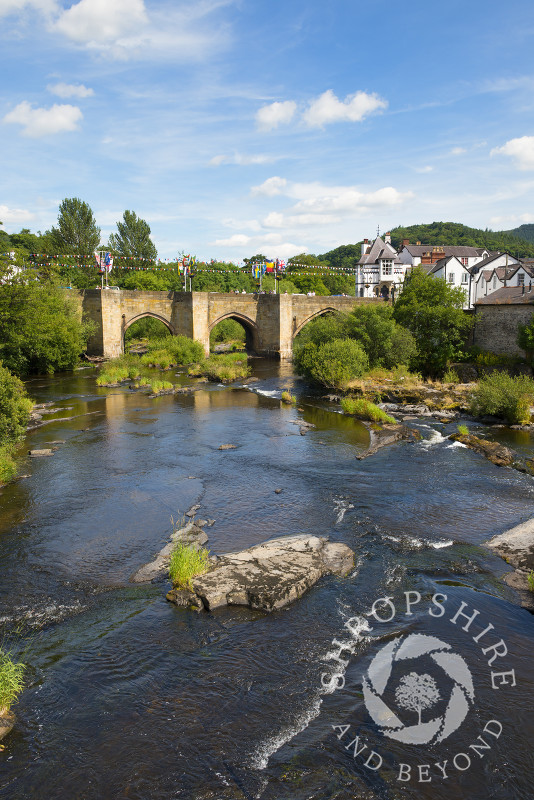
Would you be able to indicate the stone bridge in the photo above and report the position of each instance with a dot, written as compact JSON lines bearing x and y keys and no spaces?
{"x":271,"y":321}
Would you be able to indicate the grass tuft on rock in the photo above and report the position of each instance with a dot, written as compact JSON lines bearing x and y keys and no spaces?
{"x":364,"y":409}
{"x":288,"y":398}
{"x":11,"y":680}
{"x":186,"y":563}
{"x":463,"y":430}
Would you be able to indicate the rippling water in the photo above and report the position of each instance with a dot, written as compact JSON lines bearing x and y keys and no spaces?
{"x":131,"y":697}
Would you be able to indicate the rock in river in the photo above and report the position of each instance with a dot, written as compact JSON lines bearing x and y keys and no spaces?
{"x":7,"y":723}
{"x":270,"y":575}
{"x":516,"y":546}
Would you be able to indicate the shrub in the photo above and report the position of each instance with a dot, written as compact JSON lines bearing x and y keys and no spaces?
{"x":15,"y":407}
{"x":333,"y":363}
{"x":11,"y":680}
{"x":288,"y":398}
{"x":501,"y":395}
{"x":364,"y":409}
{"x":451,"y":376}
{"x":187,"y":562}
{"x":156,"y":387}
{"x":385,"y":342}
{"x":463,"y":430}
{"x":226,"y":367}
{"x":227,"y":331}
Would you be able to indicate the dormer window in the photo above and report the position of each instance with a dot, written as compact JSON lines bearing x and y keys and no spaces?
{"x":521,"y":279}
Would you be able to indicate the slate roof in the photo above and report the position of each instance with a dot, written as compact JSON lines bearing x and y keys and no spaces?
{"x":488,"y":260}
{"x":448,"y":250}
{"x":440,"y":264}
{"x":508,"y":295}
{"x":379,"y":249}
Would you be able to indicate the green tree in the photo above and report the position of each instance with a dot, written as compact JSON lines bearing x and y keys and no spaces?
{"x":41,"y":330}
{"x":432,"y":310}
{"x":386,"y":343}
{"x":77,"y":231}
{"x":133,"y":238}
{"x":333,"y":363}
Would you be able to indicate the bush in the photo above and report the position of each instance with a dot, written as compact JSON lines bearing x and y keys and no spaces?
{"x":359,"y":407}
{"x":227,"y":331}
{"x":187,"y":562}
{"x":463,"y":430}
{"x":385,"y":342}
{"x":451,"y":376}
{"x":157,"y":387}
{"x":15,"y":407}
{"x":501,"y":395}
{"x":288,"y":398}
{"x":226,"y":367}
{"x":11,"y":680}
{"x":333,"y":364}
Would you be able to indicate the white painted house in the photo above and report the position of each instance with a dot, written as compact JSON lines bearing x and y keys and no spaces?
{"x":380,"y":272}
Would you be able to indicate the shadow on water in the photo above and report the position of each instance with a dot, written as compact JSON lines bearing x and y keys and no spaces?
{"x":130,"y":697}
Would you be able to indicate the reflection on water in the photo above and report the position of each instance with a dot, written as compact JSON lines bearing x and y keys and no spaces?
{"x":131,"y":697}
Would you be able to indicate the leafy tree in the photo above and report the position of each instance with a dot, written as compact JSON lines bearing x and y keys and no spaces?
{"x":40,"y":327}
{"x":386,"y":343}
{"x":333,"y":364}
{"x":346,"y":256}
{"x":417,"y":692}
{"x":76,"y":231}
{"x":432,"y":310}
{"x":133,"y":238}
{"x":15,"y":407}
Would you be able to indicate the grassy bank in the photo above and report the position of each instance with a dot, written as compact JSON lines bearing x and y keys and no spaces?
{"x":225,"y":368}
{"x":15,"y":408}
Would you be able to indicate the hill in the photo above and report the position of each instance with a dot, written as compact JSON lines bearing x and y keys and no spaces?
{"x":525,"y":232}
{"x":455,"y":233}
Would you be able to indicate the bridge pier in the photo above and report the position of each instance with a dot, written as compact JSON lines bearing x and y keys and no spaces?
{"x":272,"y":321}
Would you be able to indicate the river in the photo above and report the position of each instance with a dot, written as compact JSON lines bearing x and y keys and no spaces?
{"x":131,"y":697}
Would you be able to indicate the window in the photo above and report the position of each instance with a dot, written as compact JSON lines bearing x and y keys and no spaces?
{"x":452,"y":278}
{"x":465,"y":277}
{"x":465,"y":262}
{"x":387,"y":267}
{"x":521,"y":279}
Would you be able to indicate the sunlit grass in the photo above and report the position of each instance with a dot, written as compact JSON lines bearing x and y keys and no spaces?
{"x":186,"y":563}
{"x":11,"y":680}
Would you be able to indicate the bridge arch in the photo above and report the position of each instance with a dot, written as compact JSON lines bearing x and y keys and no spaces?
{"x":137,"y":317}
{"x":249,"y":326}
{"x":316,"y":315}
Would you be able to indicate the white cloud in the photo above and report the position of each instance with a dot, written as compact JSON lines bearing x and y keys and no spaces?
{"x":328,"y":108}
{"x":318,"y":199}
{"x":44,"y":121}
{"x":458,"y":151}
{"x":65,"y":90}
{"x":16,"y":6}
{"x":271,"y":187}
{"x":272,"y":244}
{"x":511,"y":221}
{"x":277,"y":220}
{"x":423,"y":170}
{"x":275,"y":114}
{"x":520,"y":149}
{"x":15,"y":214}
{"x":93,"y":21}
{"x":243,"y":160}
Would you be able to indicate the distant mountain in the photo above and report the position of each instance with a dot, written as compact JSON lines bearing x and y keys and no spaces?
{"x":525,"y":232}
{"x":514,"y":242}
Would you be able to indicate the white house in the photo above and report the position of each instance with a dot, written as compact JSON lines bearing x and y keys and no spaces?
{"x":418,"y":254}
{"x":380,"y":272}
{"x":451,"y":269}
{"x":495,"y":272}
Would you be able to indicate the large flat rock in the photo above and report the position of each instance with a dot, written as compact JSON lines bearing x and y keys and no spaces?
{"x":270,"y":575}
{"x":516,"y":546}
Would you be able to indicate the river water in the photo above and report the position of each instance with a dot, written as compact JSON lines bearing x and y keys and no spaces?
{"x":131,"y":697}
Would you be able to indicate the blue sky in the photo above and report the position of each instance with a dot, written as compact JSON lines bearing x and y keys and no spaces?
{"x":237,"y":127}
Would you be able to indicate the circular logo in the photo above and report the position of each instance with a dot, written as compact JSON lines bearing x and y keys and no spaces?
{"x":417,"y":692}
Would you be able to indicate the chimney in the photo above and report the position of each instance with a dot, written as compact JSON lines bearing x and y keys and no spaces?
{"x":387,"y":238}
{"x":405,"y":242}
{"x":418,"y":243}
{"x":364,"y":246}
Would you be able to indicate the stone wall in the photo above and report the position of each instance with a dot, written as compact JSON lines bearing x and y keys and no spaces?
{"x":496,"y":327}
{"x":272,"y":321}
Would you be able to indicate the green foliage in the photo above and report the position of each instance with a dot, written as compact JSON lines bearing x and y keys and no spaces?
{"x":148,"y":281}
{"x":463,"y":430}
{"x":225,"y":368}
{"x":363,"y":409}
{"x":146,"y":328}
{"x":119,"y":369}
{"x":288,"y":398}
{"x":346,"y":256}
{"x":8,"y":468}
{"x":453,"y":233}
{"x":333,"y":363}
{"x":158,"y":387}
{"x":133,"y":238}
{"x":501,"y":395}
{"x":229,"y":330}
{"x":11,"y":680}
{"x":432,"y":310}
{"x":523,"y":232}
{"x":530,"y":579}
{"x":76,"y":231}
{"x":186,"y":563}
{"x":15,"y":407}
{"x":451,"y":376}
{"x":525,"y":338}
{"x":385,"y":342}
{"x":40,"y":327}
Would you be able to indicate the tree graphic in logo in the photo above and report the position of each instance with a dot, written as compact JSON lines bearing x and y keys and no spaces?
{"x":417,"y":692}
